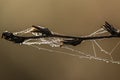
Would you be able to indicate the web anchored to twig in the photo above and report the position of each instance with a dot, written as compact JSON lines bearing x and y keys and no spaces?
{"x":42,"y":35}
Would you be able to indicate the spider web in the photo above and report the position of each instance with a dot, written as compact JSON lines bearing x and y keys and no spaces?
{"x":55,"y":42}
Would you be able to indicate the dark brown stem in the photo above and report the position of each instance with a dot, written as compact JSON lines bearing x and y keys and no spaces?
{"x":73,"y":37}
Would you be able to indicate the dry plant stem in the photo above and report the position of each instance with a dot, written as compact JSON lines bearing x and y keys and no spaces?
{"x":115,"y":33}
{"x":73,"y":37}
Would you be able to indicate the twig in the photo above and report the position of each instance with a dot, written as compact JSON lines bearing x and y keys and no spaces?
{"x":72,"y":41}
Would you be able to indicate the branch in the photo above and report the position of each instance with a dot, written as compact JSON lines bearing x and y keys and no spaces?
{"x":71,"y":40}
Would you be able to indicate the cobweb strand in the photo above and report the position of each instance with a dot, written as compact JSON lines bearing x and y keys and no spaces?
{"x":57,"y":42}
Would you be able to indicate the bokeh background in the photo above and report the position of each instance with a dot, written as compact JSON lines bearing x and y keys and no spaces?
{"x":70,"y":17}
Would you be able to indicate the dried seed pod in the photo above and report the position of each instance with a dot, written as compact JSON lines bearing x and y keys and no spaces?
{"x":111,"y":29}
{"x":43,"y":30}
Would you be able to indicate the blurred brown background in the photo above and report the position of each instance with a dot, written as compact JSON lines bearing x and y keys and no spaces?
{"x":70,"y":17}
